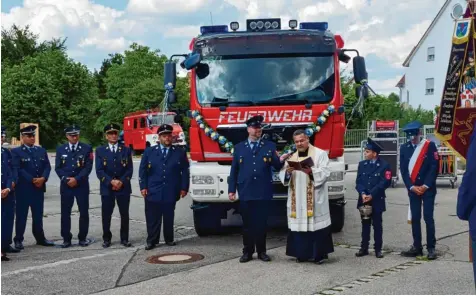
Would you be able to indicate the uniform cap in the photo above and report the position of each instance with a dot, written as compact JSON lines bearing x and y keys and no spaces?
{"x":255,"y":121}
{"x":72,"y":130}
{"x":412,"y":128}
{"x":111,"y":127}
{"x":372,"y":145}
{"x":165,"y":129}
{"x":28,"y":130}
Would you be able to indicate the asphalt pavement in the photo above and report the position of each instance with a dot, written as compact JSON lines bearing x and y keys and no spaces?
{"x":119,"y":270}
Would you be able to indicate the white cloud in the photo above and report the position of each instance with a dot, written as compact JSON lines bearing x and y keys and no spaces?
{"x":51,"y":18}
{"x":164,"y":6}
{"x":385,"y":86}
{"x":365,"y":26}
{"x":181,"y":31}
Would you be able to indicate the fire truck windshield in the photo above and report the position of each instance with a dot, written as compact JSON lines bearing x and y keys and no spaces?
{"x":161,"y":119}
{"x":264,"y":80}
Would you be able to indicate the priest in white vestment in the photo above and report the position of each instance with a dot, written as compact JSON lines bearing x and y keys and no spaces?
{"x":309,"y":220}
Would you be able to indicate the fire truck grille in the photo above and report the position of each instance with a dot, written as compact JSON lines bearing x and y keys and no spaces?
{"x":281,"y":134}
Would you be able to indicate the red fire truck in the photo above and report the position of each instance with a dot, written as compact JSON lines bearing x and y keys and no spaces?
{"x":140,"y":129}
{"x":291,"y":77}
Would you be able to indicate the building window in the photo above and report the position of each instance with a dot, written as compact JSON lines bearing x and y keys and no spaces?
{"x":430,"y":86}
{"x":431,"y":54}
{"x":135,"y":123}
{"x":142,"y":122}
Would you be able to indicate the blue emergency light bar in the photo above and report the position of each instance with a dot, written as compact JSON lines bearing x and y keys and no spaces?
{"x":322,"y":26}
{"x":213,"y":29}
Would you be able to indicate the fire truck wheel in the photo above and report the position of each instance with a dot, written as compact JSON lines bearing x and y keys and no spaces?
{"x":206,"y":223}
{"x":337,"y":218}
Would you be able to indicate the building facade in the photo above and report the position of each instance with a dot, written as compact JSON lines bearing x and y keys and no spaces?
{"x":427,"y":63}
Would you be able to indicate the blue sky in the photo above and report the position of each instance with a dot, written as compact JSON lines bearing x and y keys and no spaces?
{"x":96,"y":28}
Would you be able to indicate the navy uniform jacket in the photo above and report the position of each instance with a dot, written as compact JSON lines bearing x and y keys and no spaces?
{"x":164,"y":178}
{"x":373,"y":180}
{"x":467,"y":190}
{"x":111,"y":166}
{"x":251,"y":173}
{"x":78,"y":165}
{"x":428,"y":171}
{"x":8,"y":174}
{"x":29,"y":165}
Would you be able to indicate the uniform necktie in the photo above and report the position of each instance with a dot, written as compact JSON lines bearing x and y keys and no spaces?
{"x":113,"y":148}
{"x":253,"y":146}
{"x":164,"y":152}
{"x":72,"y":148}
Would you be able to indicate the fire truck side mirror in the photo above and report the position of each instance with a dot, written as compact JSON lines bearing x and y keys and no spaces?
{"x":170,"y":74}
{"x":360,"y":72}
{"x":192,"y":61}
{"x":172,"y":98}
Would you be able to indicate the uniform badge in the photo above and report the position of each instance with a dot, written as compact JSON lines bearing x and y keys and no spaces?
{"x":388,"y":175}
{"x":78,"y":163}
{"x":150,"y":165}
{"x":104,"y":162}
{"x":269,"y":159}
{"x":265,"y":159}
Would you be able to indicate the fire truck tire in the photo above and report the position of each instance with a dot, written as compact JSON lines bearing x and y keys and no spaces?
{"x":206,"y":223}
{"x":337,"y":218}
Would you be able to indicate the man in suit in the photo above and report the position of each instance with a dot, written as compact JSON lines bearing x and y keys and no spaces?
{"x":74,"y":163}
{"x":114,"y":170}
{"x":467,"y":196}
{"x":419,"y":169}
{"x":374,"y":176}
{"x":163,"y":179}
{"x":251,"y":175}
{"x":33,"y":167}
{"x":9,"y":178}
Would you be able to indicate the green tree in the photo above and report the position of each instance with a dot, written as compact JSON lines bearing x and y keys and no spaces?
{"x":19,"y":43}
{"x":51,"y":90}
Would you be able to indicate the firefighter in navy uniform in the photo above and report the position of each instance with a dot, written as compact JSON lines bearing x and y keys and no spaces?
{"x":73,"y":165}
{"x":114,"y":169}
{"x":33,"y":167}
{"x":421,"y":187}
{"x":9,"y":180}
{"x":374,"y":176}
{"x":163,"y":179}
{"x":251,"y":175}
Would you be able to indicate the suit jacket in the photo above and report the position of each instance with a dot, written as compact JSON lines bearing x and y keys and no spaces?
{"x":77,"y":164}
{"x":251,"y":173}
{"x":110,"y":166}
{"x":33,"y":163}
{"x":164,"y":176}
{"x":373,"y":179}
{"x":467,"y":190}
{"x":428,"y":171}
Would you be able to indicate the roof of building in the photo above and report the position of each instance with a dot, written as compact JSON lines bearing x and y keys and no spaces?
{"x":401,"y":83}
{"x":406,"y":63}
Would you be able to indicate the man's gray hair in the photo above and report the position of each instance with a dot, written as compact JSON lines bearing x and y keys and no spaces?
{"x":299,"y":132}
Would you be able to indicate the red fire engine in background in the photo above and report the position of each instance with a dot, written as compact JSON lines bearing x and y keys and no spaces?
{"x":140,"y":129}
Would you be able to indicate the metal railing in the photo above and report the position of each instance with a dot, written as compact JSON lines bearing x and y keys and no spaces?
{"x":354,"y":137}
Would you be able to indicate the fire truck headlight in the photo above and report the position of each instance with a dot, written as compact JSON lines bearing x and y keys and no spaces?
{"x":260,"y":25}
{"x":335,"y":188}
{"x":234,"y":26}
{"x":292,"y":24}
{"x":253,"y":25}
{"x":336,"y":176}
{"x":267,"y":25}
{"x":202,"y":180}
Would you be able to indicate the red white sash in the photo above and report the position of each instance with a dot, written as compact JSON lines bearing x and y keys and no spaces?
{"x":417,"y":159}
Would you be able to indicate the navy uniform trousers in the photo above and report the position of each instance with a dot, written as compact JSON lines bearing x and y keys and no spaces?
{"x":30,"y":163}
{"x":109,"y":166}
{"x":8,"y":203}
{"x":77,"y":164}
{"x":251,"y":175}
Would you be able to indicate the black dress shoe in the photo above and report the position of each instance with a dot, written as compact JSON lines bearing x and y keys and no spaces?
{"x":245,"y":258}
{"x":45,"y":243}
{"x":84,"y":243}
{"x":5,"y":258}
{"x":170,"y":243}
{"x":412,"y":252}
{"x":126,"y":244}
{"x":149,"y":247}
{"x":362,"y":252}
{"x":378,"y":254}
{"x":66,"y":245}
{"x":10,"y":249}
{"x":264,"y":257}
{"x":431,"y":254}
{"x":106,"y":244}
{"x":19,"y":246}
{"x":299,"y":260}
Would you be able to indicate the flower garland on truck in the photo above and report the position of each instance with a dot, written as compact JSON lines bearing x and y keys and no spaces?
{"x":229,"y":147}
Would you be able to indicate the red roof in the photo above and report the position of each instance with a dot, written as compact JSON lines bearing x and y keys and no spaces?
{"x":401,"y":83}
